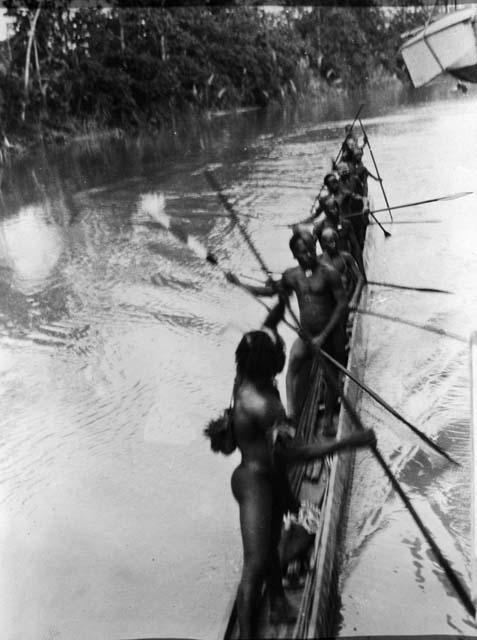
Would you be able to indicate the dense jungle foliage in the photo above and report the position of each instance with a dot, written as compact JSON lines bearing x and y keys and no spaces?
{"x":127,"y":67}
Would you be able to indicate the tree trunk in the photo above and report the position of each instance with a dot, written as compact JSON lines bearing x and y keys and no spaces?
{"x":31,"y":35}
{"x":38,"y":73}
{"x":121,"y":33}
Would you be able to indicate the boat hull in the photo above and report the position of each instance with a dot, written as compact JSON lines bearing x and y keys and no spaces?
{"x":446,"y":45}
{"x":320,"y":608}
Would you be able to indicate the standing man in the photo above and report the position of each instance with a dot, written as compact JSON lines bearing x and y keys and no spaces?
{"x":361,"y":172}
{"x":343,"y":262}
{"x":347,"y":241}
{"x":322,"y":303}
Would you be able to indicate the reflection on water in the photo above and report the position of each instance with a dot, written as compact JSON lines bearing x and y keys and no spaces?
{"x":116,"y":347}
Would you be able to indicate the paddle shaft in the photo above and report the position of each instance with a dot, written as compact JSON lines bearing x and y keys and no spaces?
{"x":375,"y":283}
{"x":340,"y":149}
{"x":377,"y":170}
{"x":440,"y":332}
{"x":381,"y":401}
{"x":351,"y":129}
{"x":448,"y":570}
{"x":388,"y":407}
{"x":401,"y":286}
{"x":387,"y":234}
{"x":414,"y":222}
{"x":226,"y":204}
{"x":415,"y":204}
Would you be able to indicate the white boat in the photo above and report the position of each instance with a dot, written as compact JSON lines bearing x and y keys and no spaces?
{"x":445,"y":45}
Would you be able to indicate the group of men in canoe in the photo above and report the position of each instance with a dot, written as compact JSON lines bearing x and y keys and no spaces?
{"x":260,"y":427}
{"x":326,"y":285}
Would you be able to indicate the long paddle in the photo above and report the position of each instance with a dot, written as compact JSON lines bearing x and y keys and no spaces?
{"x":452,"y":196}
{"x":375,"y":283}
{"x":444,"y":563}
{"x":384,"y":316}
{"x":413,"y":222}
{"x":339,"y":152}
{"x":388,"y":407}
{"x":387,"y":234}
{"x":401,"y":286}
{"x":366,"y":141}
{"x":155,"y":209}
{"x":351,"y":129}
{"x":383,"y":402}
{"x":162,"y":219}
{"x":228,"y":207}
{"x":451,"y":575}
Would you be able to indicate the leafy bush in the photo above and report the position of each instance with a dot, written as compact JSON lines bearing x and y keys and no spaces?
{"x":124,"y":66}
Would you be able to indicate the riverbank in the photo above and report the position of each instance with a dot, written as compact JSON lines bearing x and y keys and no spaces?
{"x":66,"y":72}
{"x":20,"y":142}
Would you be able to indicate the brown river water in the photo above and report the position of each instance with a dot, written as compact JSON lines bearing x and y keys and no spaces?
{"x":116,"y":520}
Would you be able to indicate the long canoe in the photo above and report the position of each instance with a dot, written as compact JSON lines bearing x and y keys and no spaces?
{"x":326,"y":486}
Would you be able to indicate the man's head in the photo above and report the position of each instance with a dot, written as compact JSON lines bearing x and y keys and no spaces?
{"x":350,"y":142}
{"x":343,"y":170}
{"x":329,"y":241}
{"x":303,"y":247}
{"x":260,"y":355}
{"x":331,"y":182}
{"x":358,"y":154}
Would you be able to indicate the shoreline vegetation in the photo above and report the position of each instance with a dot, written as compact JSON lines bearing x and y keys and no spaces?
{"x":70,"y":72}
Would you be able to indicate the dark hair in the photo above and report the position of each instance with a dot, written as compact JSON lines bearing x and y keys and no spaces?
{"x":258,"y":357}
{"x":330,"y":230}
{"x":328,"y":177}
{"x":298,"y":235}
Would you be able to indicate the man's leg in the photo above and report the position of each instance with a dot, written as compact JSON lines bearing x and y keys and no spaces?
{"x":253,"y":492}
{"x":298,"y":355}
{"x":335,"y":346}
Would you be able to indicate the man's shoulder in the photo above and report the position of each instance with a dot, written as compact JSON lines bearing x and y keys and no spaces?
{"x":330,"y":272}
{"x":249,"y":401}
{"x":290,"y":274}
{"x":346,"y":256}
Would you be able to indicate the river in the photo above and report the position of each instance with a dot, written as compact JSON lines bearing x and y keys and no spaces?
{"x":116,"y":520}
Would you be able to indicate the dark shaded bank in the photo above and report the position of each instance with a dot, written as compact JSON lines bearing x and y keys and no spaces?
{"x":67,"y":69}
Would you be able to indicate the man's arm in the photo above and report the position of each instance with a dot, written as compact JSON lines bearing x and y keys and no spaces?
{"x":305,"y":452}
{"x":276,"y":313}
{"x":318,"y":226}
{"x":267,"y":290}
{"x":370,"y":175}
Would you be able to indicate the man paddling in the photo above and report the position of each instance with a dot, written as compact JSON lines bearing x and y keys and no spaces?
{"x":346,"y":190}
{"x":362,"y":172}
{"x":343,"y":262}
{"x":347,"y":241}
{"x":322,"y":303}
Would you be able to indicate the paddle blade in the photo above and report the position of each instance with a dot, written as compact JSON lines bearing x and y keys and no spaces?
{"x":153,"y":205}
{"x":198,"y":248}
{"x":454,"y":196}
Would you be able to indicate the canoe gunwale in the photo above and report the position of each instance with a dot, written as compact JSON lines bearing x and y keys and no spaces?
{"x":323,"y":608}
